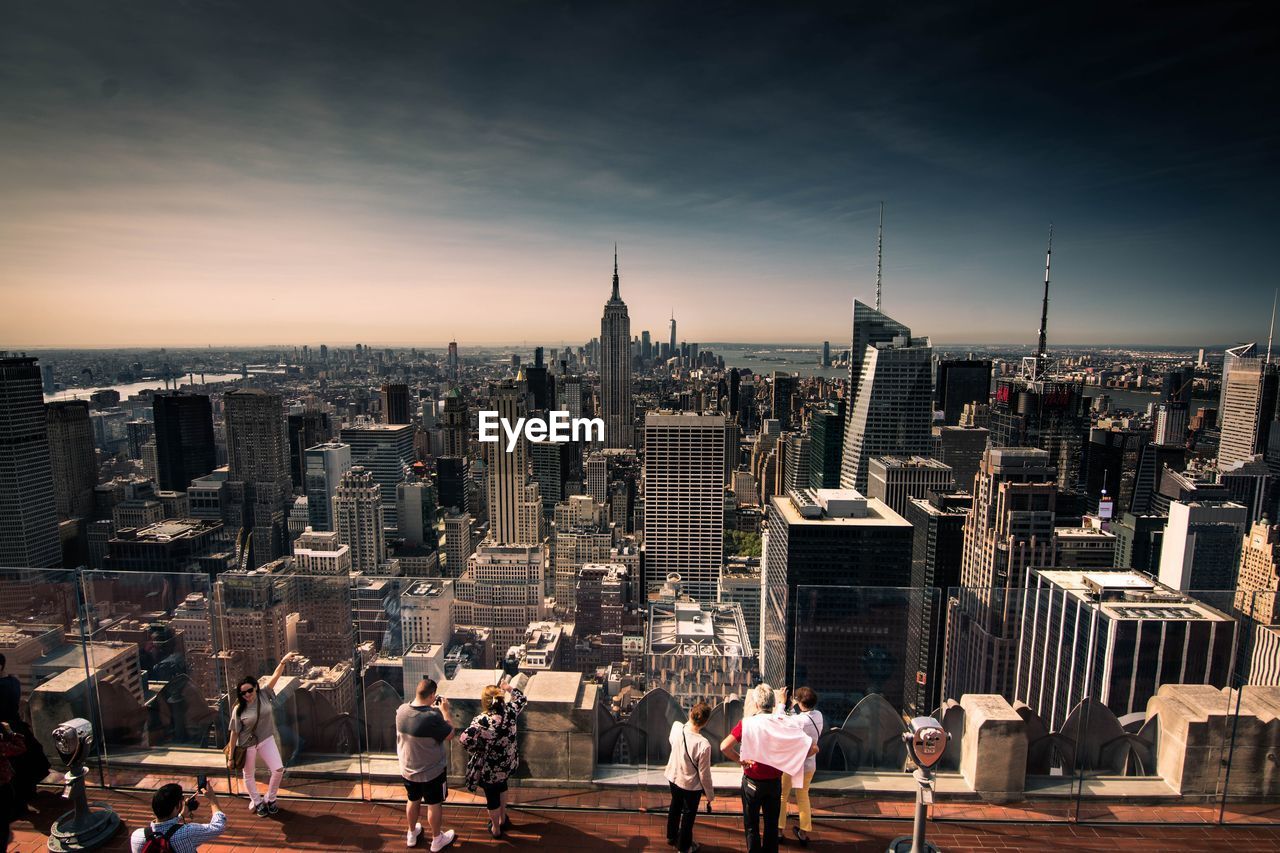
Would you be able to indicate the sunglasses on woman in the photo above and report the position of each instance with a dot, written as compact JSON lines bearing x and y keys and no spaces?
{"x":248,"y":691}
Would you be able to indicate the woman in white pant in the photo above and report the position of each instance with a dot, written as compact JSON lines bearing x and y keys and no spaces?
{"x":253,"y":727}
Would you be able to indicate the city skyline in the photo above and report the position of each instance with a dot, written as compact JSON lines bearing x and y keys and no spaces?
{"x":437,"y":162}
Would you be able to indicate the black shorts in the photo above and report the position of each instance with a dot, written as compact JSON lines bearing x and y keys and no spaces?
{"x":432,"y":793}
{"x":493,"y":792}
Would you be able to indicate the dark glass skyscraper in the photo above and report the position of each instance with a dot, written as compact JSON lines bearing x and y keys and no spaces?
{"x":28,"y":512}
{"x":184,"y":439}
{"x":961,"y":381}
{"x":396,"y":404}
{"x":75,"y":465}
{"x":826,"y":444}
{"x":1046,"y":413}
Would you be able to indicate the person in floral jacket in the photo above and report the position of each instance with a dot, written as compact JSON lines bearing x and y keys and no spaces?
{"x":491,"y":740}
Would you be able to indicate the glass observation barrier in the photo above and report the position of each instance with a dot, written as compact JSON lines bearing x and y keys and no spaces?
{"x":1064,"y":700}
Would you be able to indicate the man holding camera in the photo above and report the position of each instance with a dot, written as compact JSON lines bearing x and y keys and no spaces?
{"x":173,"y":822}
{"x":422,"y":728}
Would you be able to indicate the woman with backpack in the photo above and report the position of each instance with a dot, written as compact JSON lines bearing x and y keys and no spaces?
{"x":689,"y":774}
{"x":491,"y":740}
{"x":253,"y":736}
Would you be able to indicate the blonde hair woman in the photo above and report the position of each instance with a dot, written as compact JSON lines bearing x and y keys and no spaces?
{"x":491,"y":740}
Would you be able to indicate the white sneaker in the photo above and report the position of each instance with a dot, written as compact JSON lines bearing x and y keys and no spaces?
{"x":442,"y":841}
{"x":411,"y":838}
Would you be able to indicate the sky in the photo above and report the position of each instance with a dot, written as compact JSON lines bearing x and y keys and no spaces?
{"x":191,"y":172}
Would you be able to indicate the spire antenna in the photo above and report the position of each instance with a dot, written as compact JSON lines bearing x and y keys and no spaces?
{"x":1271,"y":331}
{"x":879,"y":255}
{"x":1044,"y":308}
{"x":615,"y":271}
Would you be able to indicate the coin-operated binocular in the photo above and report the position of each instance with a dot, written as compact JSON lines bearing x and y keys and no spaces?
{"x":926,"y":742}
{"x":82,"y":828}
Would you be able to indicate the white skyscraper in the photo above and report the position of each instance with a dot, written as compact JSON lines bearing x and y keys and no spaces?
{"x":684,"y":500}
{"x":357,"y":511}
{"x":1248,"y":408}
{"x":615,"y":367}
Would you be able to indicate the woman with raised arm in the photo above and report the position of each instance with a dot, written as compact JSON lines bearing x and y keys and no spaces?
{"x":253,"y":736}
{"x":491,"y":740}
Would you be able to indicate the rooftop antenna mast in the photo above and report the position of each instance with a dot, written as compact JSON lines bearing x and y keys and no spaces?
{"x":1272,"y":330}
{"x":1044,"y":309}
{"x":879,"y":255}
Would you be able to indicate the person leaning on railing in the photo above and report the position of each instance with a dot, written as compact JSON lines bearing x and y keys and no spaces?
{"x":770,"y":746}
{"x":491,"y":740}
{"x":253,"y":736}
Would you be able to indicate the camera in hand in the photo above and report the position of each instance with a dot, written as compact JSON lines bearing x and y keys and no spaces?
{"x":192,"y":803}
{"x":511,"y":666}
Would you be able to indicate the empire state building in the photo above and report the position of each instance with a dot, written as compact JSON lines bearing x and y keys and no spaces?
{"x":615,"y":367}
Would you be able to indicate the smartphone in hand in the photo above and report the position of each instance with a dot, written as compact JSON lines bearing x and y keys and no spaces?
{"x":202,"y":783}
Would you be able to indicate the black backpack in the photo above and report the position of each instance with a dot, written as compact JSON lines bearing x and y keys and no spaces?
{"x":159,"y":843}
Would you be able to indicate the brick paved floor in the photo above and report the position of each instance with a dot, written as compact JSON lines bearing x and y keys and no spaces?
{"x":322,"y":825}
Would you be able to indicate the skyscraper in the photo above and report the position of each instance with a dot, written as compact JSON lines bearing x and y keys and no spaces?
{"x":323,"y":467}
{"x":1230,"y":358}
{"x":783,"y":389}
{"x":458,"y":543}
{"x":583,"y":535}
{"x":1201,"y":547}
{"x":1248,"y":409}
{"x":1009,"y":530}
{"x":71,"y":452}
{"x":1036,"y":410}
{"x":1114,"y":637}
{"x":615,"y":367}
{"x":357,"y":512}
{"x":818,"y":545}
{"x":416,"y":513}
{"x":502,"y":590}
{"x":259,"y":489}
{"x":961,"y":381}
{"x":672,"y":346}
{"x":386,"y":450}
{"x":891,"y":410}
{"x":962,"y":449}
{"x":452,"y":363}
{"x":826,"y":444}
{"x":185,"y":447}
{"x":684,"y":500}
{"x":896,"y":480}
{"x":937,"y":549}
{"x":456,"y":426}
{"x":395,"y":404}
{"x":515,"y":503}
{"x":28,"y":509}
{"x":308,"y":426}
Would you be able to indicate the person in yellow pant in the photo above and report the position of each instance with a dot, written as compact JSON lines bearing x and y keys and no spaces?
{"x":801,"y":711}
